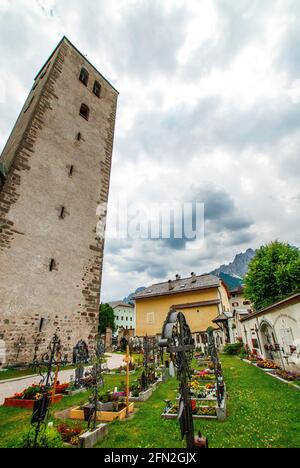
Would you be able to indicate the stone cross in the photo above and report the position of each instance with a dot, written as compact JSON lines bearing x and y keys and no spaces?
{"x":127,"y":359}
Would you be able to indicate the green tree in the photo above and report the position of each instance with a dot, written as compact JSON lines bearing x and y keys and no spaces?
{"x":273,"y":274}
{"x":106,"y":318}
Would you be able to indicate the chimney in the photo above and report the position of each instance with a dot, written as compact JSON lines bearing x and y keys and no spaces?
{"x":178,"y":277}
{"x":170,"y":285}
{"x":194,"y":277}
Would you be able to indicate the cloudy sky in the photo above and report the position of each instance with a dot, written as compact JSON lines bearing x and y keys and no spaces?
{"x":209,"y":111}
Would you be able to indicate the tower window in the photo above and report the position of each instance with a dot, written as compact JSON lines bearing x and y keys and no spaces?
{"x":62,"y":212}
{"x":41,"y":324}
{"x":79,"y":136}
{"x":52,"y":264}
{"x":85,"y":111}
{"x":97,"y":89}
{"x":71,"y":171}
{"x":84,"y":76}
{"x":2,"y":181}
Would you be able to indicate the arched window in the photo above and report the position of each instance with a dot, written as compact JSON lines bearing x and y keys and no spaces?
{"x":84,"y":111}
{"x":97,"y":89}
{"x":84,"y":76}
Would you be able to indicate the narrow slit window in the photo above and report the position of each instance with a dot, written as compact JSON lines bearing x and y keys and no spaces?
{"x":71,"y":171}
{"x":41,"y":324}
{"x":97,"y":89}
{"x":85,"y":111}
{"x":52,"y":264}
{"x":62,"y":212}
{"x":2,"y":181}
{"x":79,"y":136}
{"x":84,"y":76}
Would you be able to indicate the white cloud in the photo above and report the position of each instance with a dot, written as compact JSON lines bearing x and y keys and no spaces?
{"x":209,"y":105}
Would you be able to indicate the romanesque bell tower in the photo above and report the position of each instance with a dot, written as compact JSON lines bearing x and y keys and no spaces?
{"x":54,"y":172}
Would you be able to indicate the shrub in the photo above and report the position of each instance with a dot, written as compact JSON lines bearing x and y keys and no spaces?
{"x":243,"y":353}
{"x":50,"y":438}
{"x":233,"y":348}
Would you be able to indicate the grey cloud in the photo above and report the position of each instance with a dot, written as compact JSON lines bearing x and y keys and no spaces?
{"x":221,"y":211}
{"x":138,"y":46}
{"x":143,"y":42}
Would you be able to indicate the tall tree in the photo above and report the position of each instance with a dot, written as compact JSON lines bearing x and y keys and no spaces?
{"x":106,"y":318}
{"x":273,"y":274}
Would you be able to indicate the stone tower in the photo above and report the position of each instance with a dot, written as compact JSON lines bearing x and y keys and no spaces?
{"x":55,"y":171}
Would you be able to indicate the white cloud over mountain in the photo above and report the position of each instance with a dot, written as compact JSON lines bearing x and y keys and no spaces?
{"x":209,"y":110}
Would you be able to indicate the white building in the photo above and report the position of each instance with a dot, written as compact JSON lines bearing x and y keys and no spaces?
{"x":274,"y":332}
{"x":240,"y":308}
{"x":124,"y":315}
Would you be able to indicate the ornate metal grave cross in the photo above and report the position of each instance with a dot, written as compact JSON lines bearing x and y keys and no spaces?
{"x":127,"y":359}
{"x":145,"y":375}
{"x":217,"y":366}
{"x":80,"y":357}
{"x":42,"y":405}
{"x":98,"y":381}
{"x":177,"y":338}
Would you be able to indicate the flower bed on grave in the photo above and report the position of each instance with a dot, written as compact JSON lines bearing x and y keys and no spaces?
{"x":70,"y":434}
{"x":107,"y":412}
{"x":111,"y":406}
{"x":205,"y":375}
{"x":267,"y":365}
{"x":28,"y":396}
{"x":254,"y":358}
{"x":289,"y":376}
{"x":138,"y":391}
{"x":199,"y":410}
{"x":207,"y":391}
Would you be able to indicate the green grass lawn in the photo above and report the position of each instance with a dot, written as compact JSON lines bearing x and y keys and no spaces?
{"x":14,"y":422}
{"x":262,"y":412}
{"x":14,"y":373}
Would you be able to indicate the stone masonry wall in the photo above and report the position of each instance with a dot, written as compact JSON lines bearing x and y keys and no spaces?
{"x":52,"y":169}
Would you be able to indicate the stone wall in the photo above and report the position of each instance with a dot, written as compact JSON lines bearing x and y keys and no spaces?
{"x":52,"y":169}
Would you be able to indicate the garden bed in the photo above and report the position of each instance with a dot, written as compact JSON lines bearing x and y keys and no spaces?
{"x":75,"y":391}
{"x":28,"y":404}
{"x":289,"y":382}
{"x":143,"y":396}
{"x":174,"y":415}
{"x":102,"y":416}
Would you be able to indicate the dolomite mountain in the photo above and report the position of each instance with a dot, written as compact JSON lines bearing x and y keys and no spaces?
{"x":238,"y":267}
{"x":229,"y":273}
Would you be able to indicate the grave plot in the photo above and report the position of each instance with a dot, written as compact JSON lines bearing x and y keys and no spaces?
{"x":142,"y":388}
{"x":107,"y":407}
{"x":207,"y":390}
{"x":178,"y":340}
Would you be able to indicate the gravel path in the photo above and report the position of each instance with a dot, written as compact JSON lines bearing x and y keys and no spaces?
{"x":9,"y":388}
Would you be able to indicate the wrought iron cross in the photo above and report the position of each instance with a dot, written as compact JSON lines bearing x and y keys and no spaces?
{"x":98,"y":381}
{"x":178,"y":340}
{"x":217,"y":366}
{"x":42,"y":405}
{"x":127,"y":359}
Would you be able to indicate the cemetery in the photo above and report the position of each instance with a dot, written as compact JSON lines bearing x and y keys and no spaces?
{"x":175,"y":397}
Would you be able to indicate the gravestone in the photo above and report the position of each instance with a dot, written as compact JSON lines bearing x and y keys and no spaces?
{"x":2,"y":354}
{"x":108,"y":339}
